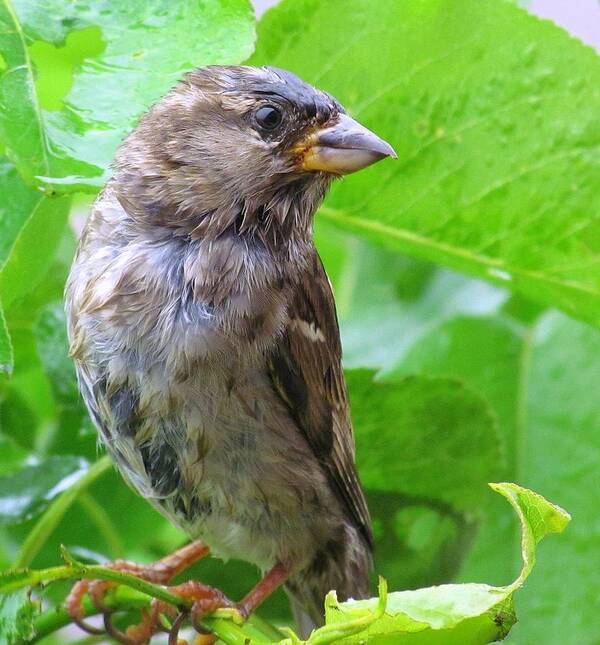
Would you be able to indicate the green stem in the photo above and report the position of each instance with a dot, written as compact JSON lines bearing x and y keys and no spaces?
{"x":265,"y":627}
{"x":76,"y":571}
{"x":135,"y":594}
{"x":55,"y":512}
{"x":105,"y":526}
{"x":124,"y":599}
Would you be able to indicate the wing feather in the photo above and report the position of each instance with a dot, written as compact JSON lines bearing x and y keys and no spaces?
{"x":307,"y":374}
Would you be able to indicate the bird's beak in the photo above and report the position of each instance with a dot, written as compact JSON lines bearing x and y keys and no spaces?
{"x":342,"y":148}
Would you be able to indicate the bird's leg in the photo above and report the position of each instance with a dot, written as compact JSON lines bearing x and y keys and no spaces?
{"x":160,"y":572}
{"x":207,"y":599}
{"x":273,"y":579}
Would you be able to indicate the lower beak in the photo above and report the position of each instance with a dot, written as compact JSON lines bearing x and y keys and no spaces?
{"x":342,"y":148}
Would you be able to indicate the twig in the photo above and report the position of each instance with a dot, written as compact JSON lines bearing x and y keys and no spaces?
{"x":132,"y":593}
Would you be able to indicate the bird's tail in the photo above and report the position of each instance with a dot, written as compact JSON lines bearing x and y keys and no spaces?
{"x":343,"y":567}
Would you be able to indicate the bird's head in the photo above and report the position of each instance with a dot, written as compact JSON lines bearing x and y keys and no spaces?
{"x":243,"y":147}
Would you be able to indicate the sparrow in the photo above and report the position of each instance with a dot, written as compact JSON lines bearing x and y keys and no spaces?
{"x":204,"y":332}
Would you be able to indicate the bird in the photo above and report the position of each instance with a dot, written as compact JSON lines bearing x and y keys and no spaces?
{"x":204,"y":333}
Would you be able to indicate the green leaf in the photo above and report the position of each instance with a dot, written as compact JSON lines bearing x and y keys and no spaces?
{"x":448,"y":437}
{"x":34,"y":248}
{"x":16,"y":206}
{"x":17,"y":613}
{"x":12,"y":456}
{"x":27,"y":408}
{"x":449,"y":614}
{"x":146,"y":47}
{"x":498,"y":173}
{"x":75,"y":433}
{"x":27,"y":492}
{"x":31,"y":227}
{"x":484,"y":353}
{"x":426,"y":447}
{"x":558,"y":455}
{"x":537,"y":381}
{"x":51,"y":335}
{"x":22,"y":132}
{"x":386,"y":302}
{"x":65,"y":494}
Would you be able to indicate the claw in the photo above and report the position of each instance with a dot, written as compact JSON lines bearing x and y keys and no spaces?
{"x":174,"y":632}
{"x":160,"y":572}
{"x":117,"y":634}
{"x":206,"y":600}
{"x":75,"y":608}
{"x":86,"y":627}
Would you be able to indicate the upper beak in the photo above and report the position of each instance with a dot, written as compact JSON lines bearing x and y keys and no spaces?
{"x":344,"y":147}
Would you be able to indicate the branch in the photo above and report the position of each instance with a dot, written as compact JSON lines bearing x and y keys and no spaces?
{"x":132,"y":593}
{"x":123,"y":599}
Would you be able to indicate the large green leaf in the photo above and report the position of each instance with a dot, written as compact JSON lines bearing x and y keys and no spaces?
{"x":386,"y":301}
{"x":558,"y":454}
{"x":27,"y":407}
{"x":425,"y":449}
{"x":423,"y":437}
{"x":34,"y":248}
{"x":466,"y":614}
{"x":28,"y":411}
{"x":27,"y":492}
{"x":16,"y":206}
{"x":498,"y":137}
{"x":31,"y":227}
{"x":147,"y":47}
{"x":12,"y":456}
{"x":537,"y":381}
{"x":53,"y":347}
{"x":74,"y":431}
{"x":485,"y":353}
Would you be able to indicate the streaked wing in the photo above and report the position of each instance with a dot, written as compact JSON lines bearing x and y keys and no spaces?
{"x":307,"y":374}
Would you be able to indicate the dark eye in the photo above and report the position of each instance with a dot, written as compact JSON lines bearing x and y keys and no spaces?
{"x":268,"y":117}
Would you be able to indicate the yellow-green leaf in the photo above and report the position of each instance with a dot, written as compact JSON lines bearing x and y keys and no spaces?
{"x":467,"y":614}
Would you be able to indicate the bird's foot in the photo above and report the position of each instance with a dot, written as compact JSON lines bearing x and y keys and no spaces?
{"x":205,"y":601}
{"x":160,"y":572}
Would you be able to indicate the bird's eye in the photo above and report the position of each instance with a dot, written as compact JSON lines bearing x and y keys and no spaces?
{"x":268,"y":117}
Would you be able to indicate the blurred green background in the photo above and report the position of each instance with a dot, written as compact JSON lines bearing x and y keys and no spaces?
{"x":466,"y":277}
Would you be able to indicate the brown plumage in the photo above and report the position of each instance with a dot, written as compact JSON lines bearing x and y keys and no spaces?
{"x":204,"y":331}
